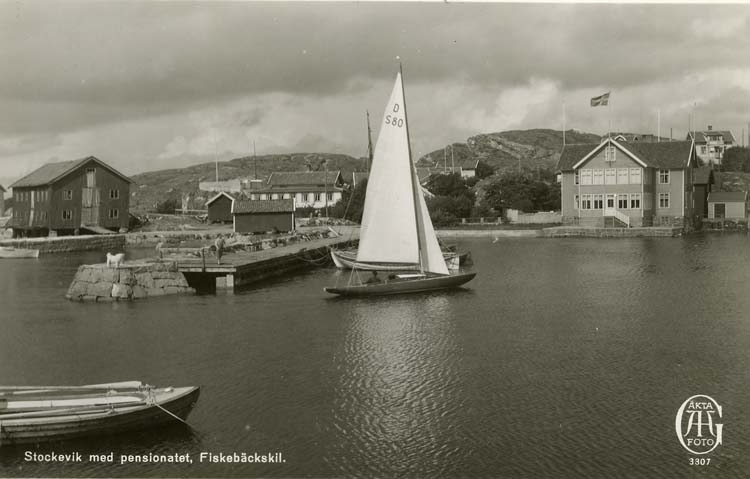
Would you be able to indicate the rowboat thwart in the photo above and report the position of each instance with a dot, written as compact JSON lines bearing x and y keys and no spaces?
{"x":32,"y":414}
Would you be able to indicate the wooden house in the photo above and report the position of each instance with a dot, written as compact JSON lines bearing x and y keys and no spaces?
{"x":710,"y":144}
{"x":260,"y":216}
{"x":71,"y":196}
{"x":316,"y":189}
{"x":623,"y":184}
{"x":703,"y":183}
{"x":2,"y":200}
{"x":220,"y":208}
{"x":731,"y":205}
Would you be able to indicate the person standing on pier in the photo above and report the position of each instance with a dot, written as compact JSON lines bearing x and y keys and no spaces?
{"x":219,"y":248}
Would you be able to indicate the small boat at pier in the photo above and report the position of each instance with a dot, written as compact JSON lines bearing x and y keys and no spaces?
{"x":11,"y":252}
{"x":33,"y":414}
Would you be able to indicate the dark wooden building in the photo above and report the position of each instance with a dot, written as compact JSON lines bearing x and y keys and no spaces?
{"x":259,"y":216}
{"x":220,"y":208}
{"x":703,"y":181}
{"x":85,"y":195}
{"x":2,"y":200}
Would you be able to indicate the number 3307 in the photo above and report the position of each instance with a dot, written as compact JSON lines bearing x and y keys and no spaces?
{"x":700,"y":461}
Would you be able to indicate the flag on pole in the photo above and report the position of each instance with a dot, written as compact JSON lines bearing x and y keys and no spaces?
{"x":600,"y":100}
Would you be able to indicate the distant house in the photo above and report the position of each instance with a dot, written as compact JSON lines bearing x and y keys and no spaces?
{"x":316,"y":189}
{"x":711,"y":144}
{"x":703,"y":183}
{"x":618,"y":183}
{"x":259,"y":216}
{"x":220,"y":208}
{"x":69,"y":196}
{"x":730,"y":205}
{"x":2,"y":200}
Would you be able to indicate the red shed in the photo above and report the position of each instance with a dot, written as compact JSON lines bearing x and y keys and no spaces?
{"x":220,"y":208}
{"x":259,"y":216}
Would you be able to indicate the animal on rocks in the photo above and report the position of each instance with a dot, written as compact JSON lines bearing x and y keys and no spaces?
{"x":115,"y":260}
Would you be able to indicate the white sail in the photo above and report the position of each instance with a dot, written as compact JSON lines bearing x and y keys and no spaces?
{"x":389,"y":229}
{"x":432,"y":256}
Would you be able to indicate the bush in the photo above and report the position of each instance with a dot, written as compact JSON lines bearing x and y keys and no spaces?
{"x":168,"y":207}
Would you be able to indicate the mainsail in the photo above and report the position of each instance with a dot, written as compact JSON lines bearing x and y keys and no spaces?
{"x":396,"y":226}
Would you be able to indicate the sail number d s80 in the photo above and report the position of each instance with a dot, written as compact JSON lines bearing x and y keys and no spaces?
{"x":392,"y":120}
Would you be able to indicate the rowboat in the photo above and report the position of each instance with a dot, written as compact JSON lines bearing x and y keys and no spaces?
{"x":11,"y":252}
{"x":347,"y":259}
{"x":33,"y":414}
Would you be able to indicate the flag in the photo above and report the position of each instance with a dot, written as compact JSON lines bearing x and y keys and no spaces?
{"x":600,"y":100}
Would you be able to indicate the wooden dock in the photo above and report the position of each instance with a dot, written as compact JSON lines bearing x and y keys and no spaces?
{"x":242,"y":268}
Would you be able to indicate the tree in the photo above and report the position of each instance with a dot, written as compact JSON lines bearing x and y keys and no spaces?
{"x":526,"y":190}
{"x":736,"y":159}
{"x":352,"y":203}
{"x":168,"y":206}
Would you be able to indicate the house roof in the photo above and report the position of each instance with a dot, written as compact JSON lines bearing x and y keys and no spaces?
{"x":359,"y":176}
{"x":727,"y":196}
{"x":703,"y":175}
{"x":51,"y":172}
{"x":263,"y":206}
{"x":216,"y":197}
{"x":700,"y":136}
{"x":2,"y":189}
{"x":665,"y":154}
{"x":298,"y":178}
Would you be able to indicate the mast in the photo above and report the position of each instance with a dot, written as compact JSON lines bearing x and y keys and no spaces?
{"x":369,"y":142}
{"x":414,"y":180}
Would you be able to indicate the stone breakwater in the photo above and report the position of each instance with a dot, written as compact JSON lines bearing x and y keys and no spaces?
{"x":135,"y":280}
{"x":65,"y":244}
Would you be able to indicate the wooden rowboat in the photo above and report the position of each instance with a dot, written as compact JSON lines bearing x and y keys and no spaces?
{"x":38,"y":414}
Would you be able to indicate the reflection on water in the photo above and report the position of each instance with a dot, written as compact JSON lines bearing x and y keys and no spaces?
{"x":562,"y":358}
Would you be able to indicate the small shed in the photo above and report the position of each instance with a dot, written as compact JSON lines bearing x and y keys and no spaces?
{"x":727,"y":205}
{"x":220,"y":208}
{"x":259,"y":216}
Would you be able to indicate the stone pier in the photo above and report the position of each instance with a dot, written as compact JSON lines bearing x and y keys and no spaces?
{"x":131,"y":280}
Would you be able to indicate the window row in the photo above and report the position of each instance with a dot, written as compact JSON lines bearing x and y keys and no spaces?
{"x":630,"y":201}
{"x":300,"y":197}
{"x":26,"y":196}
{"x":608,"y":176}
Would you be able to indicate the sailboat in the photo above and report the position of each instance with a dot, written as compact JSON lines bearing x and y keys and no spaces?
{"x":396,"y":226}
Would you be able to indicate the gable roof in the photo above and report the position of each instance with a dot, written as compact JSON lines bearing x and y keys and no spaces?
{"x":296,"y":178}
{"x":703,"y":175}
{"x":359,"y":176}
{"x":700,"y":136}
{"x":263,"y":206}
{"x":2,"y":189}
{"x":51,"y":172}
{"x":665,"y":154}
{"x":216,"y":197}
{"x":728,"y":196}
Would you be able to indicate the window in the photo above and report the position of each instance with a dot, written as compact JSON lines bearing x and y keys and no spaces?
{"x":274,"y":196}
{"x":585,"y":177}
{"x":598,"y":202}
{"x":586,"y":202}
{"x":299,"y":197}
{"x":609,"y":153}
{"x":703,"y":149}
{"x":310,"y":197}
{"x":317,"y":196}
{"x":67,"y":214}
{"x":611,"y":201}
{"x":622,"y":202}
{"x":635,"y":176}
{"x":577,"y":177}
{"x":287,"y":196}
{"x":67,"y":194}
{"x":114,"y":194}
{"x":114,"y":213}
{"x":663,"y":200}
{"x":610,"y":176}
{"x":330,"y":196}
{"x":263,"y":196}
{"x":253,"y":196}
{"x":598,"y":177}
{"x":576,"y":202}
{"x":635,"y":201}
{"x":664,"y":177}
{"x":622,"y":176}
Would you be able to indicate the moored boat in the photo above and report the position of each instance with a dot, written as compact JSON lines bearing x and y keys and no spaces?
{"x":347,"y":259}
{"x":11,"y":252}
{"x":38,"y":414}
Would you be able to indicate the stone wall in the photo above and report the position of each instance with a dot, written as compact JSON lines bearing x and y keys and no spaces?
{"x":65,"y":244}
{"x":592,"y":232}
{"x":542,"y":217}
{"x":133,"y":280}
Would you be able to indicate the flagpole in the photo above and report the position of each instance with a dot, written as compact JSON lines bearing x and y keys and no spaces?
{"x":658,"y":125}
{"x":563,"y":121}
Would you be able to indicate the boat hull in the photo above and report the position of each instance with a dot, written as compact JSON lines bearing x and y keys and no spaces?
{"x":347,"y":259}
{"x":431,"y":283}
{"x":18,"y":253}
{"x":56,"y":424}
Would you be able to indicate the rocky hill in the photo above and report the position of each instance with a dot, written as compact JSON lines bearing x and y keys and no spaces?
{"x":509,"y":149}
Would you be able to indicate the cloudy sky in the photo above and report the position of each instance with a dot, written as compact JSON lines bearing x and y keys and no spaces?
{"x":147,"y":86}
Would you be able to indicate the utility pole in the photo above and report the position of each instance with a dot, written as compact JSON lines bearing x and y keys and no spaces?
{"x":216,"y":157}
{"x":325,"y":186}
{"x":255,"y":163}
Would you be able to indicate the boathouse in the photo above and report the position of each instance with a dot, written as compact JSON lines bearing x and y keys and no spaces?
{"x":260,"y":216}
{"x":69,"y":197}
{"x":621,"y":184}
{"x":309,"y":189}
{"x":703,"y":183}
{"x":730,"y":205}
{"x":220,"y":208}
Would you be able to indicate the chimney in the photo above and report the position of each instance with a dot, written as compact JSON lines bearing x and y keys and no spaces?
{"x":710,"y":127}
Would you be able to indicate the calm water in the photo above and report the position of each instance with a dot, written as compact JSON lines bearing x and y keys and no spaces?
{"x":563,"y":358}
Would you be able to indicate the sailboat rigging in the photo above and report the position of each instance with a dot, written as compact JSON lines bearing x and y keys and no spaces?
{"x":396,"y":226}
